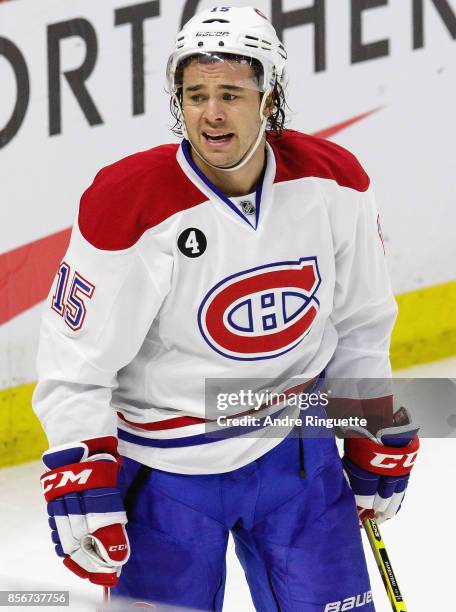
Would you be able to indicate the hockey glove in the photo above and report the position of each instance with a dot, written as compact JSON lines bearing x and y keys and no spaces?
{"x":86,"y":512}
{"x":378,"y":467}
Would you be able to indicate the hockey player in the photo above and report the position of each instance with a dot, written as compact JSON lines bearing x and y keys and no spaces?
{"x":247,"y":252}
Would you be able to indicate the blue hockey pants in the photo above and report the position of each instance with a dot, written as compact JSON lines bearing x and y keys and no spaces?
{"x":297,"y":538}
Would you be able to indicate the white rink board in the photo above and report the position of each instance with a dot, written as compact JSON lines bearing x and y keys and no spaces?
{"x":407,"y":146}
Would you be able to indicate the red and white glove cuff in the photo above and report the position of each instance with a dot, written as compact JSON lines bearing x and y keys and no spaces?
{"x":77,"y":477}
{"x":380,"y":459}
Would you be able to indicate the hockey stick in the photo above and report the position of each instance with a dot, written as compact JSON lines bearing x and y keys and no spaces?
{"x":384,"y":565}
{"x":125,"y":605}
{"x":106,"y":599}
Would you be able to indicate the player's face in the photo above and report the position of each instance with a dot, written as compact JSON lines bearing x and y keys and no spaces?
{"x":221,"y":108}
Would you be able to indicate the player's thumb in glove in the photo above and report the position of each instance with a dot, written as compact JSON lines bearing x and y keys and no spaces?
{"x":87,"y":517}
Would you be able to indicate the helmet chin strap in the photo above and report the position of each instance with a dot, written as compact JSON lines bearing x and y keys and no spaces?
{"x":248,"y":155}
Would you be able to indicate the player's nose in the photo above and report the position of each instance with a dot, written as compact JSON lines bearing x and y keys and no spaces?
{"x":214,"y":111}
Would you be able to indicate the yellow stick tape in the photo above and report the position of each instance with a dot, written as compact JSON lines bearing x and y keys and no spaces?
{"x":425,"y":331}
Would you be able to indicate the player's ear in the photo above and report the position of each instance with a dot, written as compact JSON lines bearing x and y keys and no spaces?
{"x":269,"y":106}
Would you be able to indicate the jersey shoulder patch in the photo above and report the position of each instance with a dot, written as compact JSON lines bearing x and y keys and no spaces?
{"x":133,"y":195}
{"x":299,"y":155}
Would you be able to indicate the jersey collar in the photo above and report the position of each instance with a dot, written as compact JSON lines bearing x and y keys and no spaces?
{"x":265,"y":182}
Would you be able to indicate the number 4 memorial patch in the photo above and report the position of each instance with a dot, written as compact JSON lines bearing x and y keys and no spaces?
{"x":69,"y":304}
{"x":192,"y":242}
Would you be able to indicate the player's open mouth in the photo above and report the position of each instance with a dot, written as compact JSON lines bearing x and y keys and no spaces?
{"x":218,"y":139}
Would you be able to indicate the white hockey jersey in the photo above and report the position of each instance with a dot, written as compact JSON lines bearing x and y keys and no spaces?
{"x":168,"y":283}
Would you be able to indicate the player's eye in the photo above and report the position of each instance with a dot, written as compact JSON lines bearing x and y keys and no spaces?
{"x":196,"y":98}
{"x":229,"y":97}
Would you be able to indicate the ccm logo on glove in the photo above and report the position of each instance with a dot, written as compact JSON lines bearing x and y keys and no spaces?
{"x":119,"y":547}
{"x":79,"y":477}
{"x":369,"y":454}
{"x":384,"y":461}
{"x":66,"y":477}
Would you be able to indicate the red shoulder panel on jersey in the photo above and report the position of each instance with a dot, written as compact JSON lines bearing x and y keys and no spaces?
{"x":134,"y":194}
{"x":299,"y":155}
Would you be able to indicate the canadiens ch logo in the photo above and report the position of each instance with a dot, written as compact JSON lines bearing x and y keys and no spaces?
{"x":263,"y":312}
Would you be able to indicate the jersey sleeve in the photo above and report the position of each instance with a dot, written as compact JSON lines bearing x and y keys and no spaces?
{"x":100,"y":307}
{"x":364,"y":312}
